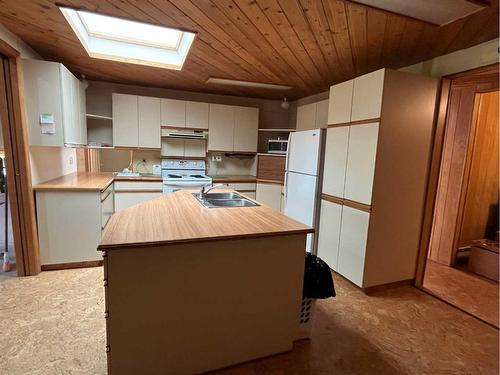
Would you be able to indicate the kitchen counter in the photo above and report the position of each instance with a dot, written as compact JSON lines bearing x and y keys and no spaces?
{"x":233,"y":179}
{"x":179,"y":217}
{"x":88,"y":181}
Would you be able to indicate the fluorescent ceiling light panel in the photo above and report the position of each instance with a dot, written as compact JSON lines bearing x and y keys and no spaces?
{"x":234,"y":82}
{"x":116,"y":39}
{"x":438,"y":12}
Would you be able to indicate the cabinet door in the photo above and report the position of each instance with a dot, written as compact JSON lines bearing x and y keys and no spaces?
{"x":321,"y":114}
{"x":306,"y":117}
{"x":42,"y":89}
{"x":195,"y":148}
{"x":197,"y":115}
{"x":352,"y":245}
{"x":125,"y":120}
{"x":173,"y":113}
{"x":246,"y":127}
{"x":269,"y":195}
{"x":71,"y":130}
{"x":361,"y":157}
{"x":149,"y":121}
{"x":221,"y":128}
{"x":367,"y":96}
{"x":82,"y":107}
{"x":337,"y":140}
{"x":340,"y":103}
{"x":172,"y":147}
{"x":329,"y":233}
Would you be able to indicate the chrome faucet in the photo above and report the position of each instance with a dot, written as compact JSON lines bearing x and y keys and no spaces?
{"x":204,"y":190}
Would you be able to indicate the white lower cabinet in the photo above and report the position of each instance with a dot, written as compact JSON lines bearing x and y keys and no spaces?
{"x":352,"y":244}
{"x":70,"y":224}
{"x":130,"y":193}
{"x":329,"y":233}
{"x":269,"y":194}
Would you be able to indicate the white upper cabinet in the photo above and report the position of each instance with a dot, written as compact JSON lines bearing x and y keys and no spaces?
{"x":149,"y":122}
{"x":337,"y":140}
{"x":173,"y":113}
{"x":329,"y":233}
{"x":82,"y":100}
{"x":197,"y":115}
{"x":246,"y":123}
{"x":52,"y":90}
{"x":321,"y":114}
{"x":221,"y":127}
{"x":125,"y":120}
{"x":367,"y":96}
{"x":361,"y":162}
{"x":340,"y":102}
{"x":352,"y":244}
{"x":306,"y":117}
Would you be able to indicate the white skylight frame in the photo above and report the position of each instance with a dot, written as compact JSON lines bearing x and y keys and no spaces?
{"x":129,"y":47}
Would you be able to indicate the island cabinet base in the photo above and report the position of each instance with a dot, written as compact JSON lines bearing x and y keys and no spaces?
{"x":186,"y":308}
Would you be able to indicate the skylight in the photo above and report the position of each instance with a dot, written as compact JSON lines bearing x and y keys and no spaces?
{"x":112,"y":38}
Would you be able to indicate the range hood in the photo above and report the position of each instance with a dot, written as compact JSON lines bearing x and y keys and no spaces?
{"x":184,"y":133}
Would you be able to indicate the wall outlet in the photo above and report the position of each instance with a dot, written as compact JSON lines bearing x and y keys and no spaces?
{"x":217,"y":158}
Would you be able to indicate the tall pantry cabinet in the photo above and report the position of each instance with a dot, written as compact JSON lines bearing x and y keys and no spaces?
{"x":377,"y":155}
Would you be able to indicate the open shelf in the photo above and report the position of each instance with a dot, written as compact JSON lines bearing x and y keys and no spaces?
{"x":98,"y":117}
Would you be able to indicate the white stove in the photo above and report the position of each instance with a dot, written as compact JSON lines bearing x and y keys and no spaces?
{"x":183,"y":174}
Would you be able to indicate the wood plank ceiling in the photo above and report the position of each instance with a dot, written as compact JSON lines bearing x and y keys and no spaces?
{"x":307,"y":44}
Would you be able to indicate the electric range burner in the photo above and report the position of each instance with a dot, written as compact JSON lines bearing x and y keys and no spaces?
{"x":174,"y":176}
{"x":197,"y":176}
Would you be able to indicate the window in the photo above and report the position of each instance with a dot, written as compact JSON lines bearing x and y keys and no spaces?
{"x":112,"y":38}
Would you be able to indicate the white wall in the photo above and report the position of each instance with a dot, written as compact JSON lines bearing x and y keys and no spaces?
{"x":459,"y":61}
{"x":17,"y":43}
{"x":51,"y":162}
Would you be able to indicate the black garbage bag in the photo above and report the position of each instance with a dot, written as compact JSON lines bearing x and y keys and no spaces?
{"x":318,"y":281}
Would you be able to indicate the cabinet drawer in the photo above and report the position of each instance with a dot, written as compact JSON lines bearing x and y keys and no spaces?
{"x":107,"y":208}
{"x":154,"y":186}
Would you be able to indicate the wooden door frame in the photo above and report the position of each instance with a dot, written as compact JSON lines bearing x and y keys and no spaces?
{"x":16,"y":146}
{"x":477,"y":75}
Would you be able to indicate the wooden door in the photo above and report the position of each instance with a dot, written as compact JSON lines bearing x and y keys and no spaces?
{"x":246,"y":127}
{"x":149,"y":110}
{"x":352,"y":244}
{"x":337,"y":140}
{"x":367,"y":96}
{"x":361,"y":157}
{"x":340,"y":103}
{"x":221,"y":128}
{"x":329,"y":233}
{"x":306,"y":117}
{"x":197,"y":115}
{"x":125,"y":120}
{"x":173,"y":113}
{"x":480,"y":214}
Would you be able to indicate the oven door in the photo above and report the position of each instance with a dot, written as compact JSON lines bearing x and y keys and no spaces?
{"x":173,"y":186}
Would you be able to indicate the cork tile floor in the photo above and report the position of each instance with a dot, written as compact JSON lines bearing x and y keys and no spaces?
{"x":53,"y":324}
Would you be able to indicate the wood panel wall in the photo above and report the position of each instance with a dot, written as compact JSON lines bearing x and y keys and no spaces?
{"x":480,"y":214}
{"x":463,"y":90}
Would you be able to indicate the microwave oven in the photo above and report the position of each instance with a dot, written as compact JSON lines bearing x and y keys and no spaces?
{"x":277,"y":146}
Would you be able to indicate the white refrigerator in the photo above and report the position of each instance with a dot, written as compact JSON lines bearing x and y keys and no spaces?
{"x":304,"y":163}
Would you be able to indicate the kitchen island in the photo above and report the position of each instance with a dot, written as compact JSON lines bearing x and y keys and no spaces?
{"x":191,"y":289}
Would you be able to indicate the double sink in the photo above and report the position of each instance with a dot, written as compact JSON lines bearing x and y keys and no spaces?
{"x":213,"y":200}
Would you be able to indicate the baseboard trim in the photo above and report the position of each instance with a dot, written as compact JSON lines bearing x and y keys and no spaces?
{"x":66,"y":266}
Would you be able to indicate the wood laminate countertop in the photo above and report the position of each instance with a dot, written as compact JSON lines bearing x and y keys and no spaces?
{"x":88,"y":181}
{"x":234,"y":179}
{"x":179,"y":217}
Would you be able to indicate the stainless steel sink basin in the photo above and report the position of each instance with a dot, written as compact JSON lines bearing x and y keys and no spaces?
{"x":213,"y":200}
{"x":223,"y":196}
